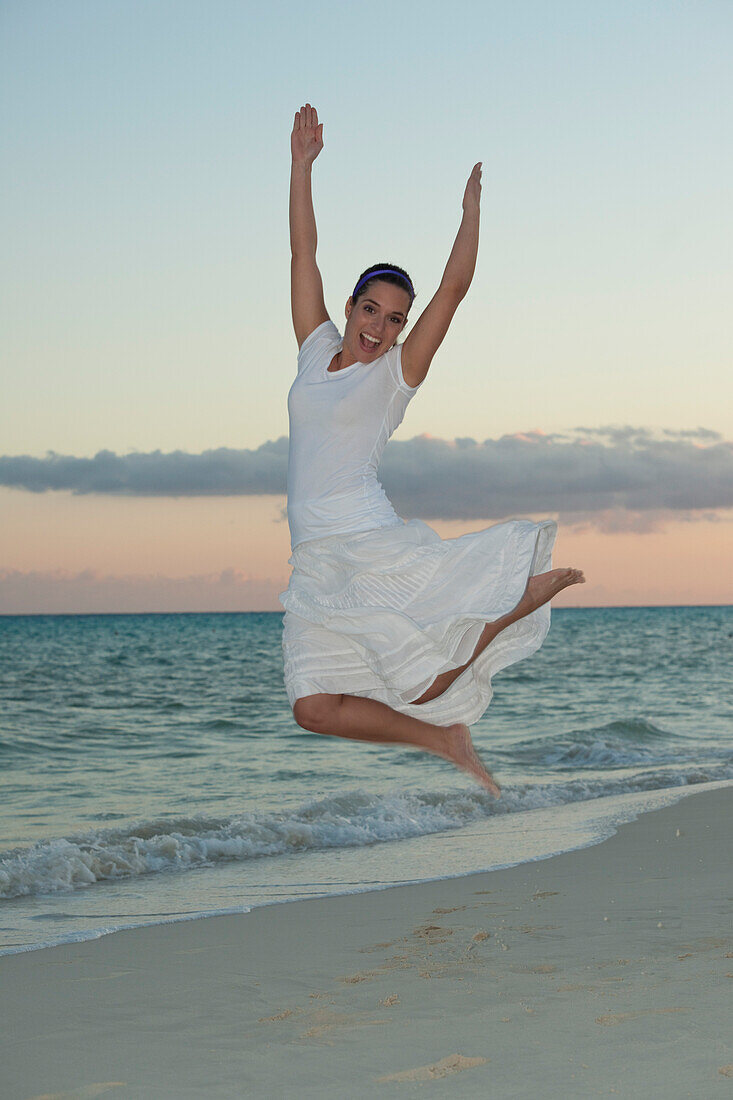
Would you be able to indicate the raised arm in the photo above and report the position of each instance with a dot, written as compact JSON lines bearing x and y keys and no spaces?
{"x":306,"y":286}
{"x":426,"y":337}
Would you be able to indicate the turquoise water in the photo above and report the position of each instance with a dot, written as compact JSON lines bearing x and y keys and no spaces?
{"x":151,"y":768}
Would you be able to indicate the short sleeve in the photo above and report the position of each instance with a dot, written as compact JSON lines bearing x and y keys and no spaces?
{"x":317,"y":345}
{"x":394,"y":357}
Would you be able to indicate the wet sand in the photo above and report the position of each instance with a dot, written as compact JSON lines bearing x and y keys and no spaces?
{"x":601,"y":972}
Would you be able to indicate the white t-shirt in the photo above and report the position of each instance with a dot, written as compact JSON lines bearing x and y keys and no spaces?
{"x":340,"y":422}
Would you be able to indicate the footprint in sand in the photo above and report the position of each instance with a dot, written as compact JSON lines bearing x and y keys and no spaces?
{"x":324,"y":1021}
{"x":103,"y":978}
{"x":620,"y":1017}
{"x":454,"y":1063}
{"x":85,"y":1092}
{"x":362,"y":976}
{"x":279,"y":1016}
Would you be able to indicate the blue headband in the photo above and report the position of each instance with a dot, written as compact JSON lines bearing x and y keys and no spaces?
{"x":385,"y":271}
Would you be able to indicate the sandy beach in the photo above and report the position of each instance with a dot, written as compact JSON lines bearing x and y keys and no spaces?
{"x":604,"y":971}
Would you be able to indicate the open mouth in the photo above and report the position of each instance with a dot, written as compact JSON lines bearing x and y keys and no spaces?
{"x":368,"y":343}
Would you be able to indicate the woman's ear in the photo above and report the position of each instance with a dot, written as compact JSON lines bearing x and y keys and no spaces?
{"x":349,"y":306}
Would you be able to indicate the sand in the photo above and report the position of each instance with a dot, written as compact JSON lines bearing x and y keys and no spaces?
{"x":601,"y":972}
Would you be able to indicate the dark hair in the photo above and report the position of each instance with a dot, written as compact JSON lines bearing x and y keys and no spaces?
{"x":397,"y":276}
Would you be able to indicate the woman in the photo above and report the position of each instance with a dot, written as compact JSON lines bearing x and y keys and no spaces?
{"x":390,"y":633}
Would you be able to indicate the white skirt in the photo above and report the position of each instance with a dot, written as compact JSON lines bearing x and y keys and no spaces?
{"x":381,"y":613}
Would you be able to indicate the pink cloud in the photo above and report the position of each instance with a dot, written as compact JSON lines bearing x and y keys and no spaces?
{"x":91,"y":591}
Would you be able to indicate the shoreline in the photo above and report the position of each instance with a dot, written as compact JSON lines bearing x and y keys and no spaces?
{"x":589,"y":822}
{"x":605,"y":968}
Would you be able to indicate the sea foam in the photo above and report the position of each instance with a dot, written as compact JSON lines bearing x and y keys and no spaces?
{"x":348,"y":820}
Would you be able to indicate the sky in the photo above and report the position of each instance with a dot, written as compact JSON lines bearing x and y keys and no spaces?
{"x":146,"y":345}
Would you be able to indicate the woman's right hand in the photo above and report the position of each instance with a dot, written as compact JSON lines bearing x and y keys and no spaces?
{"x":472,"y":194}
{"x":306,"y":140}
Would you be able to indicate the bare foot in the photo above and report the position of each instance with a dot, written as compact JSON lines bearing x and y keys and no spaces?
{"x":460,"y":751}
{"x":543,"y":586}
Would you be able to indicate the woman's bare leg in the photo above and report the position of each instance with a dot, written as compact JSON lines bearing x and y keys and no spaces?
{"x":540,"y":588}
{"x":361,"y":719}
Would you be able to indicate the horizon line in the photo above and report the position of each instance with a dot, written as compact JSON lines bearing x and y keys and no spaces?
{"x":271,"y":611}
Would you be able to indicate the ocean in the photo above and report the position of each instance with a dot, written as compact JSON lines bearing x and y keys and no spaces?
{"x":151,"y":769}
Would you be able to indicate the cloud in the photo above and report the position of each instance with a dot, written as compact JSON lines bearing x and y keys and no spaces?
{"x":92,"y":592}
{"x":220,"y":472}
{"x":607,"y":472}
{"x":615,"y":478}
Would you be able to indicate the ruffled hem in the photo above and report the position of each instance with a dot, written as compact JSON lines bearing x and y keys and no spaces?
{"x":382,"y":613}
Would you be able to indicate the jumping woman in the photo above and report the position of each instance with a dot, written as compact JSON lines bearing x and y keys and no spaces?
{"x":390,"y":633}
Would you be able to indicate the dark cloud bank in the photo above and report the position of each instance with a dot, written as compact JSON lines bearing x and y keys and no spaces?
{"x":622,"y":478}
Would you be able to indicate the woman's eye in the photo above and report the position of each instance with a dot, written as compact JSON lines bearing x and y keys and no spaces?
{"x":394,"y":320}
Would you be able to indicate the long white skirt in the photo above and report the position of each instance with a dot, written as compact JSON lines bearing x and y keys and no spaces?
{"x":381,"y":613}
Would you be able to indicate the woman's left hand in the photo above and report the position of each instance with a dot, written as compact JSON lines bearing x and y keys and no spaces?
{"x":472,"y":195}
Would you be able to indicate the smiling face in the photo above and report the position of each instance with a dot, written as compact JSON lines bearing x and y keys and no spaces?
{"x":375,"y":320}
